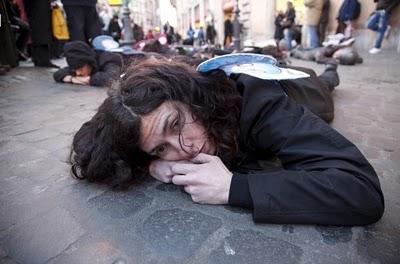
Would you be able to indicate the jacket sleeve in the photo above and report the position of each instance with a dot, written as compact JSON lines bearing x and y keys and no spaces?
{"x":110,"y":69}
{"x":103,"y":77}
{"x":324,"y":178}
{"x":61,"y":73}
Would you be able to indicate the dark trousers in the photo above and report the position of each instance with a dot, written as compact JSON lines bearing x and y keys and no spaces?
{"x":83,"y":22}
{"x":39,"y":13}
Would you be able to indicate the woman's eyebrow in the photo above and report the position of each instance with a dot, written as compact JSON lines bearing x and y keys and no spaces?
{"x":165,"y":125}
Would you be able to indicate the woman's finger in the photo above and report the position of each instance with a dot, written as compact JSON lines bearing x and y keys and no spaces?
{"x":183,"y":168}
{"x":182,"y":179}
{"x":202,"y":158}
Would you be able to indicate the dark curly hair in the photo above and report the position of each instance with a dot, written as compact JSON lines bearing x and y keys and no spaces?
{"x":105,"y":149}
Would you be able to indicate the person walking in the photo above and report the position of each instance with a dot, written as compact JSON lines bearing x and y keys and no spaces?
{"x":83,"y":20}
{"x":378,"y":21}
{"x":313,"y":16}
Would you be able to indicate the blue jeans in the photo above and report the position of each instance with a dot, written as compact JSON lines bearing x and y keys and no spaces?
{"x":313,"y":36}
{"x":287,"y":32}
{"x":378,"y":22}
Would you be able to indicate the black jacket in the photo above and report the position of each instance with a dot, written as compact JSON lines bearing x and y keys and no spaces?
{"x":108,"y":68}
{"x":322,"y":177}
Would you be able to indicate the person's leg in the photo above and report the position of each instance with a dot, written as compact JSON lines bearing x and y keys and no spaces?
{"x":39,"y":16}
{"x":92,"y":24}
{"x":373,"y":21}
{"x":330,"y":77}
{"x":76,"y":22}
{"x":287,"y":32}
{"x":382,"y":25}
{"x":313,"y":37}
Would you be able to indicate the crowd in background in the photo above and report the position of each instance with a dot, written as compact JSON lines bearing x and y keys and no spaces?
{"x":40,"y":28}
{"x":316,"y":21}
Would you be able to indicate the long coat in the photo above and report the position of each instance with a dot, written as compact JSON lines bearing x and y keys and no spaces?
{"x":313,"y":11}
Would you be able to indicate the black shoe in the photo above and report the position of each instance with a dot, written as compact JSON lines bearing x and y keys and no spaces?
{"x":331,"y":65}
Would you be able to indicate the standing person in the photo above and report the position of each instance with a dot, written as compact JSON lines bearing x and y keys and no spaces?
{"x":83,"y":20}
{"x":348,"y":13}
{"x":39,"y":17}
{"x":114,"y":30}
{"x":206,"y":131}
{"x":287,"y":24}
{"x":21,"y":28}
{"x":200,"y":36}
{"x":313,"y":16}
{"x":278,"y":34}
{"x":105,"y":19}
{"x":378,"y":21}
{"x":323,"y":22}
{"x":211,"y":33}
{"x":190,"y":36}
{"x":149,"y":35}
{"x":228,"y":31}
{"x":138,"y":33}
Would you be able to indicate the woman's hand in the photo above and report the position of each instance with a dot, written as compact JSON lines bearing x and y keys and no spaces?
{"x":67,"y":79}
{"x":83,"y":80}
{"x":162,"y":170}
{"x":207,"y":179}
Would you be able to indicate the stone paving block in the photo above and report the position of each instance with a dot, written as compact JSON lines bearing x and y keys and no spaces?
{"x":93,"y":250}
{"x":248,"y":246}
{"x":36,"y":135}
{"x":43,"y":237}
{"x":176,"y":233}
{"x":116,"y":204}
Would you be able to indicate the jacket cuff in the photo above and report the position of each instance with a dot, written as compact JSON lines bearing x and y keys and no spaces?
{"x":239,"y":194}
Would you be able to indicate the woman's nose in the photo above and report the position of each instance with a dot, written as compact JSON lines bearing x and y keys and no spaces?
{"x":189,"y":149}
{"x":185,"y":150}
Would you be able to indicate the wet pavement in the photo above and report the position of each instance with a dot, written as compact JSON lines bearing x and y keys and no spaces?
{"x":49,"y":217}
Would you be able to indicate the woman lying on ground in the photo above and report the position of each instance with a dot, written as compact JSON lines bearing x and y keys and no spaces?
{"x":207,"y":132}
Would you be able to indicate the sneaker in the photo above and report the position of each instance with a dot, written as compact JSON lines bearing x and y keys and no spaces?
{"x":374,"y":51}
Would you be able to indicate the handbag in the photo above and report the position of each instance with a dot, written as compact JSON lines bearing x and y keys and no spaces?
{"x":59,"y":25}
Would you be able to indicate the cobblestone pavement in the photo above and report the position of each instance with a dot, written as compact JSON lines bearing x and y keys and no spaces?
{"x":48,"y":217}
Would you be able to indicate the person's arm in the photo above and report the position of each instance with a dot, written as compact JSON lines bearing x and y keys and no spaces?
{"x":324,"y":178}
{"x":60,"y":74}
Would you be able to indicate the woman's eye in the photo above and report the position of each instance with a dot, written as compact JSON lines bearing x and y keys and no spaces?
{"x":161,"y":150}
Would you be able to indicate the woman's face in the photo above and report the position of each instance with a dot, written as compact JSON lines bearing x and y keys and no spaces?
{"x":83,"y":71}
{"x":170,"y":133}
